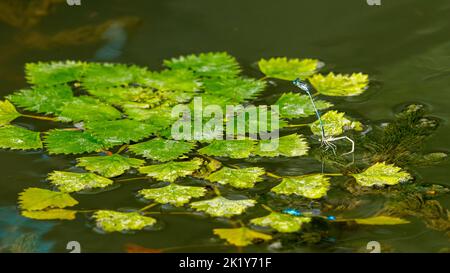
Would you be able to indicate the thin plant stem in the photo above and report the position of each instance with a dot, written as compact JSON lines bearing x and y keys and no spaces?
{"x":131,"y":179}
{"x":267,"y":208}
{"x":149,"y":206}
{"x":40,"y":117}
{"x":122,"y":148}
{"x":297,"y":125}
{"x":273,"y":175}
{"x":217,"y":191}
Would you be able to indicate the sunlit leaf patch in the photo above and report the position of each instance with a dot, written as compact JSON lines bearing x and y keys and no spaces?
{"x":241,"y":236}
{"x":110,"y":221}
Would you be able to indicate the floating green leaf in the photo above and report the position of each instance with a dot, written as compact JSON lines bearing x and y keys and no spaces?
{"x":334,"y":124}
{"x":294,"y":105}
{"x":158,"y":117}
{"x":289,"y":69}
{"x":173,"y":194}
{"x":51,"y":214}
{"x":38,"y":199}
{"x":281,"y":222}
{"x":162,"y":149}
{"x":172,"y":170}
{"x":111,"y":221}
{"x":8,"y":112}
{"x":340,"y":85}
{"x":101,"y":75}
{"x":239,"y":89}
{"x":238,"y":178}
{"x":223,"y":207}
{"x":72,"y":182}
{"x":381,"y":174}
{"x":17,"y":138}
{"x":109,"y":166}
{"x":213,"y":64}
{"x":310,"y":186}
{"x":54,"y":72}
{"x":381,"y":220}
{"x":115,"y":132}
{"x":48,"y":99}
{"x":175,"y":80}
{"x":240,"y":236}
{"x":120,"y":95}
{"x":290,"y":146}
{"x":241,"y":148}
{"x":60,"y":141}
{"x":85,"y":108}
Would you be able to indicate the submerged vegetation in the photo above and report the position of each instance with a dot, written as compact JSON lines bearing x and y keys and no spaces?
{"x":116,"y":120}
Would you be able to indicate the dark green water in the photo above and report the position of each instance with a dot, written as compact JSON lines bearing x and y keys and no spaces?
{"x":403,"y":45}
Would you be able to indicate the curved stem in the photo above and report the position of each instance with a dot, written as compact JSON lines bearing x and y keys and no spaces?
{"x":297,"y":125}
{"x":131,"y":179}
{"x":216,"y":190}
{"x":40,"y":117}
{"x":273,"y":175}
{"x":267,"y":208}
{"x":121,"y":149}
{"x":149,"y":206}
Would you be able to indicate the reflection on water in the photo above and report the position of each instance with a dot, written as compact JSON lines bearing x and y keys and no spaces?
{"x":22,"y":235}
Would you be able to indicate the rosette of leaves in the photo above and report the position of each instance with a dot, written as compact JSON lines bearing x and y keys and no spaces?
{"x":144,"y":101}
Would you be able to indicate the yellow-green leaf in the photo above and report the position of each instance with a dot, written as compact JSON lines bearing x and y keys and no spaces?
{"x":51,"y":214}
{"x":17,"y":138}
{"x":381,"y":174}
{"x":381,"y":220}
{"x":109,"y":166}
{"x":38,"y":199}
{"x":172,"y":170}
{"x":238,"y":178}
{"x":340,"y":85}
{"x":240,"y":236}
{"x":289,"y":69}
{"x":281,"y":222}
{"x":72,"y":182}
{"x":8,"y":112}
{"x":173,"y":194}
{"x":334,"y":124}
{"x":223,"y":207}
{"x":111,"y":221}
{"x":310,"y":186}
